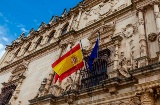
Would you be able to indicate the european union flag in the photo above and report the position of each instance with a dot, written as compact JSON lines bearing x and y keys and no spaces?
{"x":94,"y":54}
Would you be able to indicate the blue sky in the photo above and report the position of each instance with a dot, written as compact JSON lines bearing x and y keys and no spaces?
{"x":17,"y":16}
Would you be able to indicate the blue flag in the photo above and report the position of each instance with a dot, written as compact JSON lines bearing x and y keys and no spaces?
{"x":94,"y":54}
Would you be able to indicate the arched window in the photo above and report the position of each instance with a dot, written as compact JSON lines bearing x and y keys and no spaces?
{"x":64,"y":30}
{"x":17,"y":52}
{"x":38,"y":42}
{"x":26,"y":49}
{"x":51,"y":36}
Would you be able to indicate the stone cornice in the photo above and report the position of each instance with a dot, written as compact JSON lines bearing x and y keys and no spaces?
{"x":28,"y":57}
{"x":100,"y":89}
{"x":143,"y":71}
{"x":140,"y":4}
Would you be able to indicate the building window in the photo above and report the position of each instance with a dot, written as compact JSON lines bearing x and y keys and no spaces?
{"x":64,"y":30}
{"x":51,"y":36}
{"x":27,"y":48}
{"x":17,"y":52}
{"x":6,"y":94}
{"x":39,"y":42}
{"x":99,"y":72}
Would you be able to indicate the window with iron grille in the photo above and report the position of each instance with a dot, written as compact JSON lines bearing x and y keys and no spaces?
{"x":94,"y":77}
{"x":64,"y":30}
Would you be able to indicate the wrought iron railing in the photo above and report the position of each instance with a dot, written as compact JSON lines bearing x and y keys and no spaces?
{"x":94,"y":77}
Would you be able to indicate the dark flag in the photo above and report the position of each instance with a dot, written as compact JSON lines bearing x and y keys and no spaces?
{"x":94,"y":54}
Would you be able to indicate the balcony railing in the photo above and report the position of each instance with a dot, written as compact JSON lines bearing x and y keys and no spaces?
{"x":94,"y":77}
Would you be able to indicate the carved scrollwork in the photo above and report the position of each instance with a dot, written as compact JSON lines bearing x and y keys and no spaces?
{"x":69,"y":83}
{"x":135,"y":101}
{"x":152,"y":37}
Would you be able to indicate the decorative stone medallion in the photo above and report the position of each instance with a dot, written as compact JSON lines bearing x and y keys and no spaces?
{"x":152,"y":37}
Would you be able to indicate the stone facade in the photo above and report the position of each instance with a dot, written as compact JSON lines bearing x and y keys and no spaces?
{"x":129,"y":43}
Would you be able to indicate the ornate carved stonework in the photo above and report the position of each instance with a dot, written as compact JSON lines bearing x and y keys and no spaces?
{"x":124,"y":73}
{"x":124,"y":67}
{"x":152,"y":37}
{"x":129,"y":30}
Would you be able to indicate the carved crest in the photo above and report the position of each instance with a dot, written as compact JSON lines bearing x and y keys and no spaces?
{"x":129,"y":30}
{"x":74,"y":59}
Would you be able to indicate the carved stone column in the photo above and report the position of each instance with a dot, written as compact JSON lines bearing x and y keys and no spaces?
{"x":44,"y":41}
{"x":142,"y":61}
{"x":78,"y":18}
{"x":49,"y":81}
{"x":157,"y":16}
{"x":32,"y":46}
{"x":147,"y":99}
{"x":21,"y":52}
{"x":116,"y":56}
{"x":57,"y":33}
{"x":70,"y":23}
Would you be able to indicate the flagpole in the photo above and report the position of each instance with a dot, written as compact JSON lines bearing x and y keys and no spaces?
{"x":98,"y":42}
{"x":83,"y":55}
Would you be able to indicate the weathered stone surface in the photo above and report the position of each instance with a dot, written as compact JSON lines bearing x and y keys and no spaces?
{"x":129,"y":43}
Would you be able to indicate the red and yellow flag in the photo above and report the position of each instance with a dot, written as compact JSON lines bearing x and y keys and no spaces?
{"x":68,"y":63}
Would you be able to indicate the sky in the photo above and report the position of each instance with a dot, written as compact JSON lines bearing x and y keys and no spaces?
{"x":17,"y":16}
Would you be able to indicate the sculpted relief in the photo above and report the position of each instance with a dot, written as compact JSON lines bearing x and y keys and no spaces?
{"x":129,"y":30}
{"x":120,"y":4}
{"x":69,"y":83}
{"x":104,"y":9}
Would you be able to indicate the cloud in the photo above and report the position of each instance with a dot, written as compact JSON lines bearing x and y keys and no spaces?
{"x":2,"y":50}
{"x":4,"y":18}
{"x":36,"y":22}
{"x":1,"y":15}
{"x":3,"y":30}
{"x":1,"y":46}
{"x":5,"y":39}
{"x":24,"y":30}
{"x":20,"y":25}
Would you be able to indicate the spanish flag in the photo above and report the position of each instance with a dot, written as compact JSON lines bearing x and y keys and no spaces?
{"x":68,"y":63}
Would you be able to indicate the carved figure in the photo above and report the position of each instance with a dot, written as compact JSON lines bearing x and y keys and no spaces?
{"x":70,"y":83}
{"x":128,"y":31}
{"x":56,"y":90}
{"x":125,"y":65}
{"x":42,"y":88}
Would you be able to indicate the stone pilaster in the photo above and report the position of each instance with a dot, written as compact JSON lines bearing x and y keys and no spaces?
{"x":32,"y":46}
{"x":78,"y":18}
{"x":44,"y":41}
{"x":57,"y":33}
{"x":70,"y":23}
{"x":116,"y":56}
{"x":157,"y":16}
{"x":143,"y":44}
